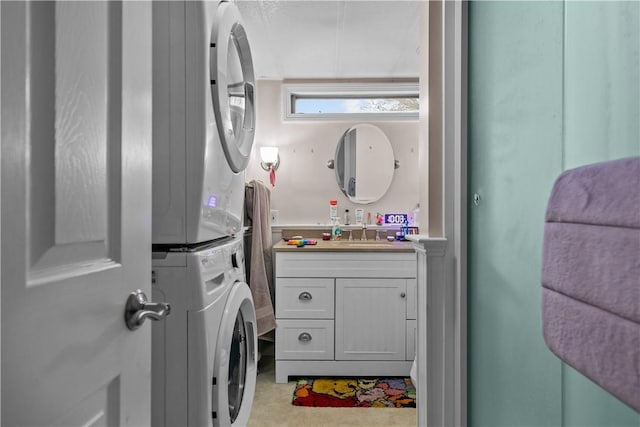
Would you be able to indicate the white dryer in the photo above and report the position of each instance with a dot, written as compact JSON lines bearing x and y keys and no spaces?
{"x":203,"y":120}
{"x":204,"y":361}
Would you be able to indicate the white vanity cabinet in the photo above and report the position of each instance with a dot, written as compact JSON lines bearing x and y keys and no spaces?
{"x":345,"y":313}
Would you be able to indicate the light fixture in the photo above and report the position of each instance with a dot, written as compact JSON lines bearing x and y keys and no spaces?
{"x":270,"y":160}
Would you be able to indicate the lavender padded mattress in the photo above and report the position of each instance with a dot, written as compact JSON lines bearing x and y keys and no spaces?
{"x":591,"y":274}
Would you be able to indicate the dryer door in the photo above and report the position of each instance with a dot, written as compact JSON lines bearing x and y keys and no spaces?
{"x":232,"y":85}
{"x":235,"y":360}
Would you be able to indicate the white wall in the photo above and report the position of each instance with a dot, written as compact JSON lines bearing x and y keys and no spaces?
{"x":304,"y":184}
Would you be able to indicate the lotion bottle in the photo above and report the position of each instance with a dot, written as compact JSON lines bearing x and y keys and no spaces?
{"x":333,"y":210}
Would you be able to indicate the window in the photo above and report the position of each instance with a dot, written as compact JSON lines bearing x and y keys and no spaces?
{"x":349,"y":101}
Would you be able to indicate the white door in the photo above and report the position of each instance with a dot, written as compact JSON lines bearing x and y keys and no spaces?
{"x":76,"y":211}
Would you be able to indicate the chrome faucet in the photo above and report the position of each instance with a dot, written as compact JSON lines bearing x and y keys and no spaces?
{"x":364,"y":232}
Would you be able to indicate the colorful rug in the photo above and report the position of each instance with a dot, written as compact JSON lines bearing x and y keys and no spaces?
{"x":355,"y":393}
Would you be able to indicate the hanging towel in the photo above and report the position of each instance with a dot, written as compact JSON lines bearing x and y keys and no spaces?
{"x":258,"y":210}
{"x":591,"y":274}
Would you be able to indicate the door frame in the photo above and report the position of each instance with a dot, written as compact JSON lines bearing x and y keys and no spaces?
{"x":455,"y":176}
{"x":445,"y":47}
{"x":0,"y":235}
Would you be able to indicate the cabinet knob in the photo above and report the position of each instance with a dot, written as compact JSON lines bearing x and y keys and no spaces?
{"x":402,"y":295}
{"x":304,"y":337}
{"x":305,"y":296}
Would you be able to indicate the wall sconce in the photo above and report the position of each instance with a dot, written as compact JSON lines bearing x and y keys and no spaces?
{"x":270,"y":162}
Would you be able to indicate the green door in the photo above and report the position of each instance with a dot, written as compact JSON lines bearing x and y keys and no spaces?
{"x":552,"y":86}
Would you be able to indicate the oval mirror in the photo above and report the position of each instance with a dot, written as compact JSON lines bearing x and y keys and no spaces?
{"x":364,"y":163}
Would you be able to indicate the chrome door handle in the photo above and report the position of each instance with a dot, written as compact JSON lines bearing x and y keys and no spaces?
{"x":138,"y":309}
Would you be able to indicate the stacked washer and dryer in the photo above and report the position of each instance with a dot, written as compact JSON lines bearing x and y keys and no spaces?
{"x":204,"y":359}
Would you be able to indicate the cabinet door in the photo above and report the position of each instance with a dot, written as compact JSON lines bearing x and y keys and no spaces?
{"x":412,"y":328}
{"x":412,"y":299}
{"x":370,"y":319}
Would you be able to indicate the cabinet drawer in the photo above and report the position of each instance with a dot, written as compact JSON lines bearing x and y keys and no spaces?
{"x":304,"y":340}
{"x":346,"y":264}
{"x":304,"y":298}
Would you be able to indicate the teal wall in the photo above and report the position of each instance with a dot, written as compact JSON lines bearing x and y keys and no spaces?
{"x":552,"y":85}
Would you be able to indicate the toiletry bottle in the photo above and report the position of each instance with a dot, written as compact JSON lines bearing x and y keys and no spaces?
{"x":416,"y":216}
{"x":359,"y":216}
{"x":333,"y":210}
{"x":347,"y":220}
{"x":405,"y":229}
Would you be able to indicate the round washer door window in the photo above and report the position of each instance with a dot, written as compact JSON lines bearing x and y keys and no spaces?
{"x":237,"y":367}
{"x":232,"y":86}
{"x":235,"y":361}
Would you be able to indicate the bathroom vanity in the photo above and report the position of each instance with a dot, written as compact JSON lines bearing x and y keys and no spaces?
{"x":345,"y":308}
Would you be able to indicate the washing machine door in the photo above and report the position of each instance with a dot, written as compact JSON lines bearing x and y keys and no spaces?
{"x":235,"y":360}
{"x":232,"y":85}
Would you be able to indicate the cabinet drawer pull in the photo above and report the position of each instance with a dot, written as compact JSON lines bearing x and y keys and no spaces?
{"x":305,"y":296}
{"x":402,"y":295}
{"x":304,"y":337}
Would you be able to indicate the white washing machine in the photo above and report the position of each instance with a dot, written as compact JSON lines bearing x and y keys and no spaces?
{"x":203,"y":120}
{"x":204,"y":361}
{"x":204,"y":356}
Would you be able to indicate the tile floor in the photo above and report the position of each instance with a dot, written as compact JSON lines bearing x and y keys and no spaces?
{"x":272,"y":407}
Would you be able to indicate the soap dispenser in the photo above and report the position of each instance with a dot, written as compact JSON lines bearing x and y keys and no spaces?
{"x":336,"y":232}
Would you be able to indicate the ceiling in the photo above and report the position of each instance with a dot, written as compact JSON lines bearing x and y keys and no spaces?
{"x":323,"y":39}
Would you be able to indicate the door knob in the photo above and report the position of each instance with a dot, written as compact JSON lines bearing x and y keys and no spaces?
{"x":138,"y":309}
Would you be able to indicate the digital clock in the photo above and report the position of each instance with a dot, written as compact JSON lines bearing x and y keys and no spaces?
{"x":396,"y":219}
